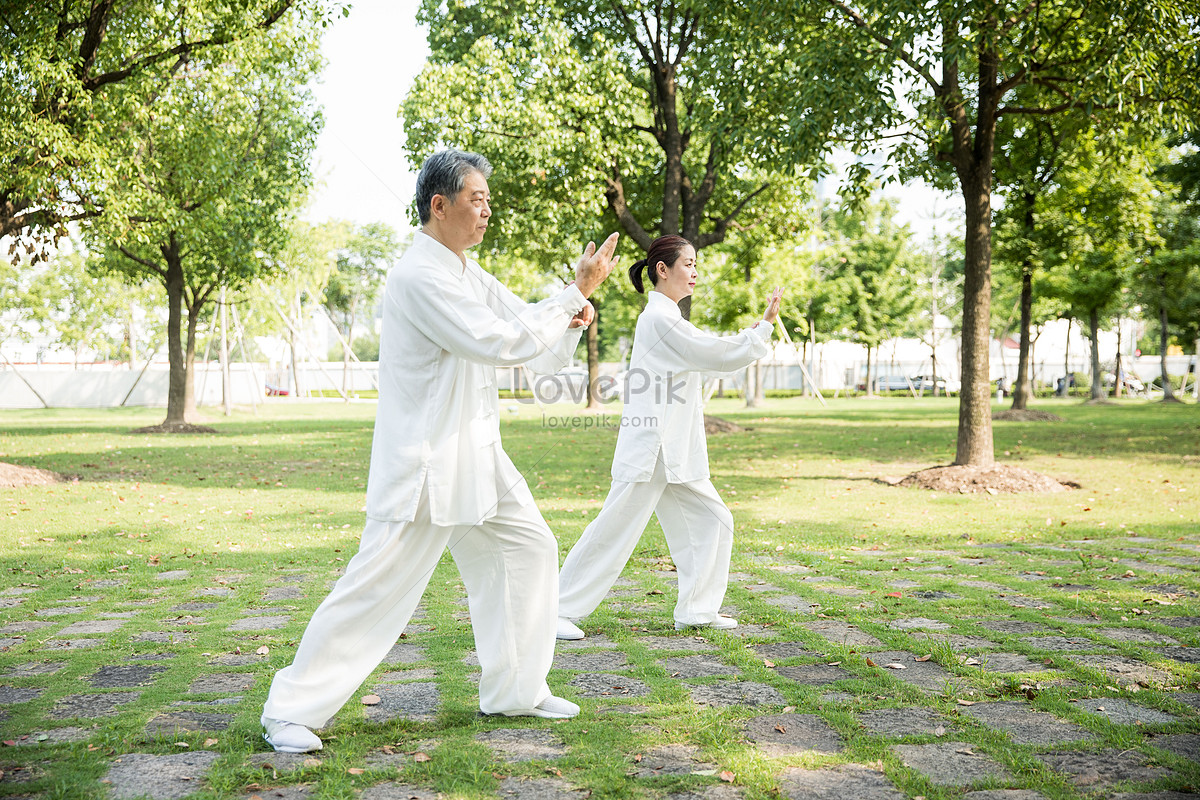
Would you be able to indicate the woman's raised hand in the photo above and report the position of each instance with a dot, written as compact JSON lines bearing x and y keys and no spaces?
{"x":772,"y":312}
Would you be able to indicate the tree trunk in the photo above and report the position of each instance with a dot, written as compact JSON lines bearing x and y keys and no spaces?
{"x":593,"y":359}
{"x":870,"y":377}
{"x":974,"y":446}
{"x":189,"y":361}
{"x":751,"y":391}
{"x":1023,"y":388}
{"x":177,"y":381}
{"x":1066,"y":391}
{"x":1163,"y":338}
{"x":760,"y":385}
{"x":1094,"y":327}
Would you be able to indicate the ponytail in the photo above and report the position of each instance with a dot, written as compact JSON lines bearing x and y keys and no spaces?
{"x":635,"y":275}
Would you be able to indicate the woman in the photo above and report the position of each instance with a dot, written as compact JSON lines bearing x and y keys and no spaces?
{"x":661,"y":461}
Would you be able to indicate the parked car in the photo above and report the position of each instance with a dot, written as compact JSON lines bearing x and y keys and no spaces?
{"x":891,"y":383}
{"x":924,"y":383}
{"x":1132,"y":384}
{"x":276,"y":391}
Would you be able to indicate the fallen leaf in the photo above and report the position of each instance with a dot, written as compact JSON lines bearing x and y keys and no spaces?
{"x":421,"y":757}
{"x":209,"y":742}
{"x":637,"y":759}
{"x":966,"y":751}
{"x":893,"y":594}
{"x":781,"y":728}
{"x":262,"y":651}
{"x":356,"y":770}
{"x":311,"y":762}
{"x":939,"y":731}
{"x":554,"y":771}
{"x":655,"y":591}
{"x":895,"y":665}
{"x":727,"y":776}
{"x":768,"y":662}
{"x":966,"y":702}
{"x":923,"y":658}
{"x":833,"y":663}
{"x":371,"y":700}
{"x":870,"y":663}
{"x":972,"y":662}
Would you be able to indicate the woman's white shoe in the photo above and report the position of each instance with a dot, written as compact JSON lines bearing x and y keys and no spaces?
{"x":568,"y":630}
{"x":720,"y":623}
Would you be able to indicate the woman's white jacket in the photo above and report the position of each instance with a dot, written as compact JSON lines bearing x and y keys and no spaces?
{"x":663,"y":401}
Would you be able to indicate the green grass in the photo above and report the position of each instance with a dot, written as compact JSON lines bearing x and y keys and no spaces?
{"x":282,"y":492}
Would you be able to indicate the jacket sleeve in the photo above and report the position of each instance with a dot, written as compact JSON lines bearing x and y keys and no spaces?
{"x":557,"y":355}
{"x":457,"y":322}
{"x":697,"y":351}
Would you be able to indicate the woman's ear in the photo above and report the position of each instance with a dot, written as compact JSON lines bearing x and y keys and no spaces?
{"x":660,"y":269}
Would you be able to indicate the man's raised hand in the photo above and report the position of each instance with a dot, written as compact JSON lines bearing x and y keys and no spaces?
{"x":772,"y":312}
{"x":595,"y":265}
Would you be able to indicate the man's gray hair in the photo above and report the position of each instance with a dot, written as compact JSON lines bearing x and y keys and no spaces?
{"x":444,"y":173}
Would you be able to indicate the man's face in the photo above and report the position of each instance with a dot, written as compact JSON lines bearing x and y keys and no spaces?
{"x":467,"y":216}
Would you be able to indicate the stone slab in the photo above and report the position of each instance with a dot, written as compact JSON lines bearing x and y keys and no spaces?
{"x":1120,"y":711}
{"x":697,"y":667}
{"x":602,"y":684}
{"x":1012,"y":626}
{"x":591,"y":662}
{"x":781,"y":651}
{"x":956,"y":641}
{"x":1024,"y":725}
{"x":1065,"y":644}
{"x":592,"y":641}
{"x":814,"y":674}
{"x":25,"y":626}
{"x":1096,"y":770}
{"x":169,"y":777}
{"x":789,"y":734}
{"x":1191,"y":699}
{"x":537,"y":789}
{"x":950,"y":763}
{"x":925,"y":675}
{"x":675,"y":643}
{"x":793,"y":603}
{"x":163,"y":637}
{"x":53,"y":736}
{"x":390,"y":790}
{"x":918,"y":624}
{"x":420,"y":674}
{"x":415,"y":701}
{"x":1010,"y":662}
{"x":737,"y":693}
{"x":1180,"y":622}
{"x":91,"y":626}
{"x":125,"y":676}
{"x":72,"y":644}
{"x":515,"y":745}
{"x":404,"y":653}
{"x":722,"y":791}
{"x":270,"y":622}
{"x":175,"y":722}
{"x":842,"y":633}
{"x":1184,"y":655}
{"x":1135,"y":635}
{"x":188,"y":607}
{"x":88,"y":706}
{"x":11,"y":695}
{"x":222,"y":683}
{"x":897,"y":722}
{"x":1184,"y":745}
{"x":1122,"y":669}
{"x":844,"y":782}
{"x":1004,"y":794}
{"x":669,"y":759}
{"x":172,"y":575}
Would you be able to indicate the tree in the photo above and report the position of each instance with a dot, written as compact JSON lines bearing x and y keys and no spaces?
{"x":222,"y":157}
{"x":353,"y":288}
{"x":939,"y":76}
{"x":74,"y":74}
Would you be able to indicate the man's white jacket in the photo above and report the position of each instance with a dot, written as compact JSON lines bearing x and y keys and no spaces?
{"x":446,"y":328}
{"x":664,"y":407}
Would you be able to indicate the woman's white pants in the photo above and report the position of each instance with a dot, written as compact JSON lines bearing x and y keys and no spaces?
{"x":508,"y":564}
{"x":699,"y":532}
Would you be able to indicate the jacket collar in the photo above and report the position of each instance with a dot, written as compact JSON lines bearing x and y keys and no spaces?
{"x":440,"y":254}
{"x":663,"y":304}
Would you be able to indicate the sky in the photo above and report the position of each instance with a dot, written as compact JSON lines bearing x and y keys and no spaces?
{"x":373,"y":57}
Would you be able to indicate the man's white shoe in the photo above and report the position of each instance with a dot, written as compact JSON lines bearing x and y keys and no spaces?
{"x":568,"y":630}
{"x":289,"y":737}
{"x":720,"y":623}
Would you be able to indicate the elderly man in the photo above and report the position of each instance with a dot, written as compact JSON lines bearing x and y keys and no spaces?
{"x":439,"y":477}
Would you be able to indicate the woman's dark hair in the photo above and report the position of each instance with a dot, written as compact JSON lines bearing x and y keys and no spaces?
{"x":665,"y":249}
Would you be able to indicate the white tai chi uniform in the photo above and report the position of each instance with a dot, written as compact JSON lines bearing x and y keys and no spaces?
{"x":439,"y":478}
{"x":661,"y":467}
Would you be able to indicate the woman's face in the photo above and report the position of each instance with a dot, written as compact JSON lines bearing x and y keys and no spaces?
{"x":679,"y":279}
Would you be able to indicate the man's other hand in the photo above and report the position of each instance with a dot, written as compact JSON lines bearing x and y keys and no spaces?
{"x":595,"y":265}
{"x":584,"y":317}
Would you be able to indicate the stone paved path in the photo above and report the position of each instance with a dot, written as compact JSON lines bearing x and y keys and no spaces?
{"x":1008,"y":672}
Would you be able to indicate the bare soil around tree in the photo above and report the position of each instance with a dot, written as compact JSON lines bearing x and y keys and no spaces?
{"x":175,"y":427}
{"x":718,"y":425}
{"x":994,"y":479}
{"x":1025,"y":415}
{"x":14,"y":476}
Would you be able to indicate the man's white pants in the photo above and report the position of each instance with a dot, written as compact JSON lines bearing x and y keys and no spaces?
{"x":508,"y":564}
{"x":699,"y":532}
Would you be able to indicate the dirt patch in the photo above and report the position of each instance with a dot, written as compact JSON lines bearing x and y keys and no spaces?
{"x":996,"y":479}
{"x":717,"y":425}
{"x":1025,"y":415}
{"x":175,"y":427}
{"x":13,"y":476}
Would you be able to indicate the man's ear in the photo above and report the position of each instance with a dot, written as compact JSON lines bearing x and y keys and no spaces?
{"x":437,"y":206}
